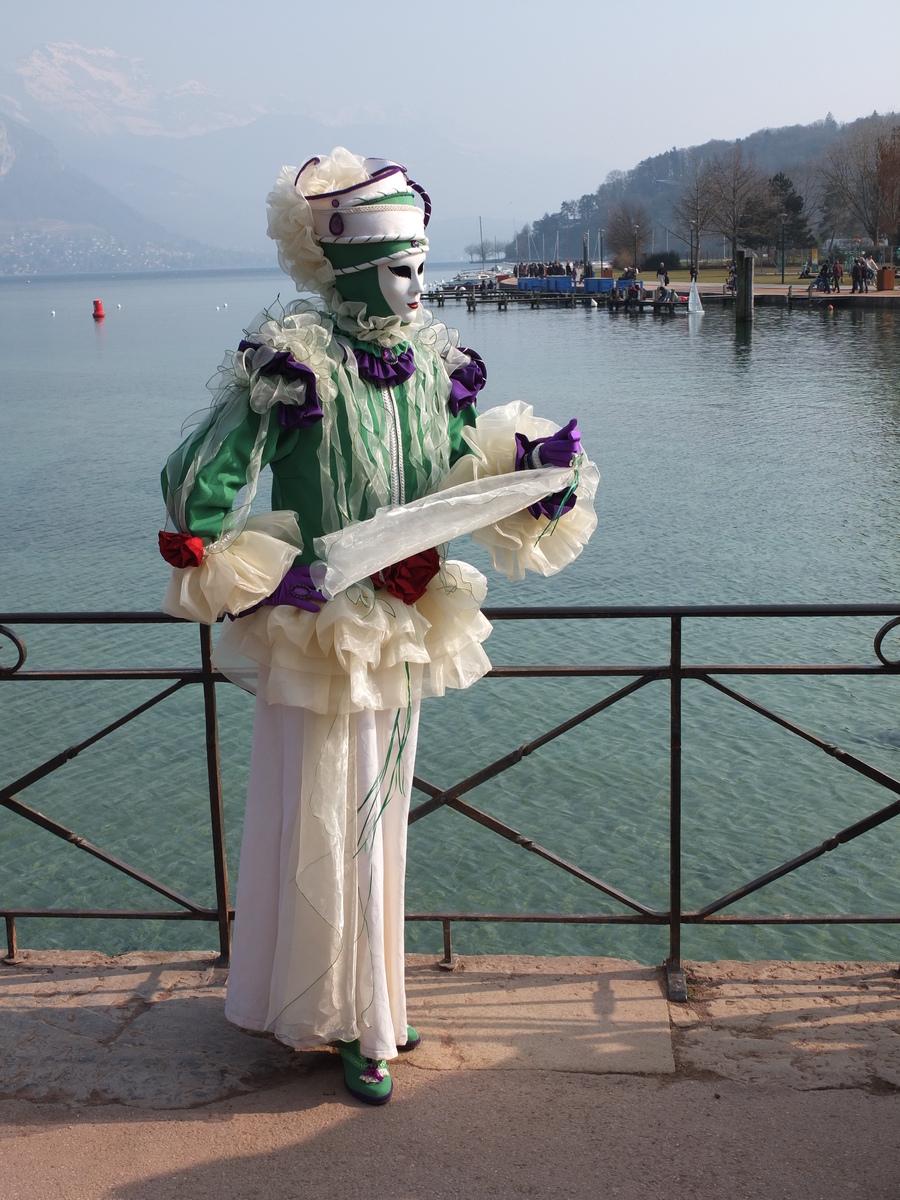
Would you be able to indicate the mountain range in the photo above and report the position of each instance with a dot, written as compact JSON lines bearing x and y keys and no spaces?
{"x":101,"y":169}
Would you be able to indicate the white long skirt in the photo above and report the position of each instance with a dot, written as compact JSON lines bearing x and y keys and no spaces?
{"x":319,"y":916}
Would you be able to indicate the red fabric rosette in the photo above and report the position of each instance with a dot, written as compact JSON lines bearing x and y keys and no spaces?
{"x":181,"y":549}
{"x":408,"y":580}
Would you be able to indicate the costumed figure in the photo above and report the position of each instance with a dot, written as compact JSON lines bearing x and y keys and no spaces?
{"x":343,"y":610}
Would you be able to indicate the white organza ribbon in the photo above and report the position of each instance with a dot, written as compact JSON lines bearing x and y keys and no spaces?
{"x":366,"y":547}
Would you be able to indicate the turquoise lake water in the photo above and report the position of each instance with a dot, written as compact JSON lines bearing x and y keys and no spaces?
{"x":761,"y":466}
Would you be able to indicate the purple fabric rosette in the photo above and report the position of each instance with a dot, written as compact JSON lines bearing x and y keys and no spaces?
{"x":466,"y":382}
{"x":283,"y":363}
{"x":387,"y":368}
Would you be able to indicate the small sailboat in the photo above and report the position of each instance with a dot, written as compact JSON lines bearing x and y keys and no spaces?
{"x":694,"y":303}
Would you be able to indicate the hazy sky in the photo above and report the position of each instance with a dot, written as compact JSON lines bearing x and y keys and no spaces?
{"x":561,"y":93}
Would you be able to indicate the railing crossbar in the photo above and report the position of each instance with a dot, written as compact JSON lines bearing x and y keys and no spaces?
{"x":118,"y":914}
{"x":843,"y":756}
{"x":59,"y":760}
{"x":81,"y":674}
{"x":513,"y":835}
{"x":80,"y":843}
{"x":499,"y":765}
{"x":838,"y":839}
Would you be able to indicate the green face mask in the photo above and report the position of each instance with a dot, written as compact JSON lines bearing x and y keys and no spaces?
{"x":363,"y":286}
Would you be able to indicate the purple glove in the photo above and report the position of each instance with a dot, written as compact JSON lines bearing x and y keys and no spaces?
{"x":296,"y":589}
{"x":560,"y":449}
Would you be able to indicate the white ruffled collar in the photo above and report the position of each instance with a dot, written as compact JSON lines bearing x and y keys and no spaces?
{"x":351,"y":317}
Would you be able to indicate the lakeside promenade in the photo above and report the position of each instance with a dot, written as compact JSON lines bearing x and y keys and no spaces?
{"x":547,"y":1077}
{"x":766,"y":293}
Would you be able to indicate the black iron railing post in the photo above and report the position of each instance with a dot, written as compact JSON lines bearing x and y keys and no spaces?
{"x":12,"y":945}
{"x":216,"y":811}
{"x":677,"y":985}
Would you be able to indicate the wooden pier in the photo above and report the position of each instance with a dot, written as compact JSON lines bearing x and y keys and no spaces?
{"x":501,"y":298}
{"x":712,"y":296}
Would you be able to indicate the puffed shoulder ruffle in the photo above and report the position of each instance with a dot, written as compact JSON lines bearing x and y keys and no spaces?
{"x":521,"y":542}
{"x":277,"y":338}
{"x":364,"y":649}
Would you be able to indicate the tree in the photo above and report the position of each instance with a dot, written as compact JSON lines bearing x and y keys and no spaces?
{"x":850,"y":174}
{"x":888,"y":179}
{"x":620,"y":230}
{"x":480,"y":250}
{"x":738,"y":193}
{"x":789,"y":201}
{"x":693,"y":208}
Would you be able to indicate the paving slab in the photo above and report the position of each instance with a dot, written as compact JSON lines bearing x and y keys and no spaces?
{"x":517,"y":1012}
{"x":806,"y":1025}
{"x":149,"y":1030}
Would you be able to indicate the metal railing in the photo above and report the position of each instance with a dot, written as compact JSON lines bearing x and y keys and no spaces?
{"x":672,"y":672}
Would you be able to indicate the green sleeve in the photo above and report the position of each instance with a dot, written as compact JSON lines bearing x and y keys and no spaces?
{"x":458,"y":446}
{"x":217,"y":484}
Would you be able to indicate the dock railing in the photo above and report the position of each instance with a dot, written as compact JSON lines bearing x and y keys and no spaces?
{"x":670,"y":673}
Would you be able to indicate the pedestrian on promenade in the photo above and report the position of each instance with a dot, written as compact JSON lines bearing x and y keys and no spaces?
{"x":346,"y":612}
{"x":837,"y":273}
{"x":856,"y":276}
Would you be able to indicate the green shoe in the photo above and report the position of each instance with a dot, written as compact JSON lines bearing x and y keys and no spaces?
{"x":413,"y":1039}
{"x":368,"y":1079}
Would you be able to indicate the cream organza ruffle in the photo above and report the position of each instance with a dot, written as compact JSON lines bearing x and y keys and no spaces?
{"x":238,"y":576}
{"x":364,"y":649}
{"x":521,"y":542}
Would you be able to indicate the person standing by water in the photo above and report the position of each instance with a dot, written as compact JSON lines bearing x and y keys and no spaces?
{"x":344,"y":610}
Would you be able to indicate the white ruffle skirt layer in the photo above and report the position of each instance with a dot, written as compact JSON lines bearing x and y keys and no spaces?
{"x":318,"y":949}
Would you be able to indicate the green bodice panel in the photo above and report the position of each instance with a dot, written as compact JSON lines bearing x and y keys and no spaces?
{"x":309,"y":479}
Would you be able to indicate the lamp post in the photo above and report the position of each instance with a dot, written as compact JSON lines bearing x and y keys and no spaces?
{"x":693,"y":223}
{"x":783,"y":219}
{"x":602,"y":231}
{"x":636,"y":228}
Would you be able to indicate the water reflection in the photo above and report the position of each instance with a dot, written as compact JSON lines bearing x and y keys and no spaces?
{"x":743,"y":341}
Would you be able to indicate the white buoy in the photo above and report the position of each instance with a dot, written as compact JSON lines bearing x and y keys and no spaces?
{"x":118,"y":306}
{"x":224,"y":305}
{"x":217,"y":308}
{"x":52,"y":312}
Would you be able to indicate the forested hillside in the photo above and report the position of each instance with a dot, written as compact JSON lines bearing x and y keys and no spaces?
{"x":829,"y":181}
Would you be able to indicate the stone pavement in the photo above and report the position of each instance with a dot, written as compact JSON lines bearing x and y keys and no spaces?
{"x":119,"y":1078}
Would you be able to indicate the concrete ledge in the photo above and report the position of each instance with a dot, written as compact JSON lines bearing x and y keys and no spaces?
{"x":147,"y":1030}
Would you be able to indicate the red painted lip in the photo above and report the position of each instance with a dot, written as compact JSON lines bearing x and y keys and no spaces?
{"x":414,"y":305}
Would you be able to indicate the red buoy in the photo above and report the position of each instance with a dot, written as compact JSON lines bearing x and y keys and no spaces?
{"x":99,"y":314}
